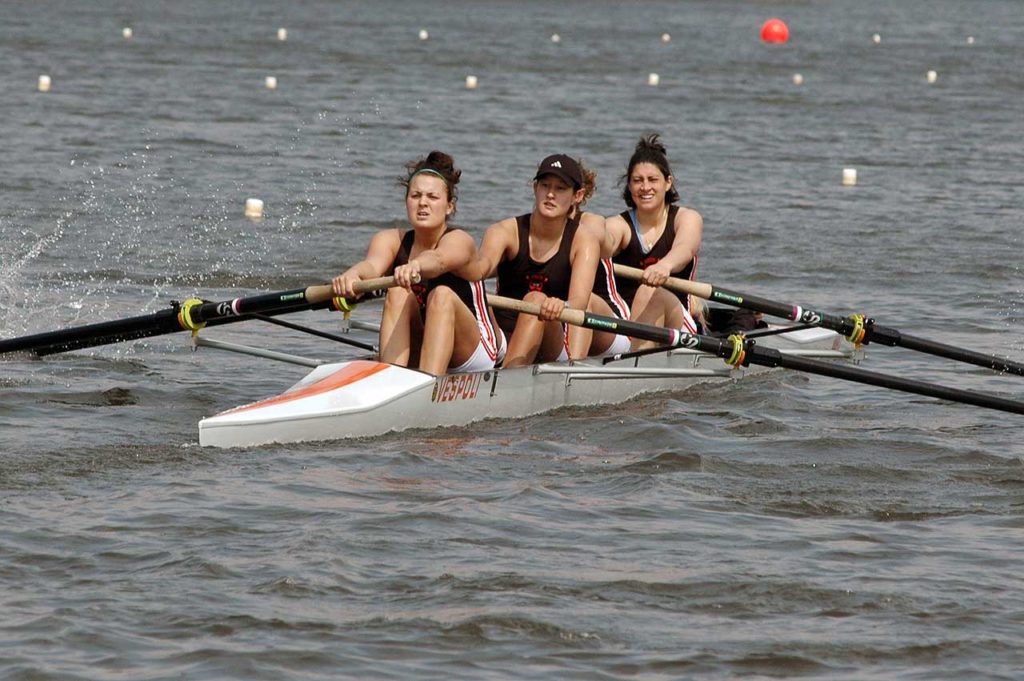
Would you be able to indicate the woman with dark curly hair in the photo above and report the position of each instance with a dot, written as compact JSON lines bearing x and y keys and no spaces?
{"x":657,"y":236}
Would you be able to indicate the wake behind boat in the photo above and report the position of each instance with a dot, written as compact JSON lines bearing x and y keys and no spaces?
{"x":366,"y":398}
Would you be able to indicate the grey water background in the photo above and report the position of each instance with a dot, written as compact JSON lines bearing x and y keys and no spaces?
{"x":785,"y":526}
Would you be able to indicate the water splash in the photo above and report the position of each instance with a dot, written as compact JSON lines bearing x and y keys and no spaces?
{"x":14,"y":292}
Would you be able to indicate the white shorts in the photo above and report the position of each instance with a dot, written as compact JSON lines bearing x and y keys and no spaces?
{"x":689,"y":325}
{"x":481,"y":359}
{"x":618,"y":346}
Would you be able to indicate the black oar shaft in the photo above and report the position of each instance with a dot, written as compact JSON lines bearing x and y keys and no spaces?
{"x":174,"y":319}
{"x":774,"y":358}
{"x":845,"y":326}
{"x":593,"y":321}
{"x":764,"y":356}
{"x":316,"y":332}
{"x":884,"y":335}
{"x":132,"y":328}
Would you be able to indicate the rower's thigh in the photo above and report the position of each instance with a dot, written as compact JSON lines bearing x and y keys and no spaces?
{"x":553,"y":343}
{"x":602,"y":340}
{"x":465,"y":326}
{"x":401,"y":328}
{"x":673,"y":308}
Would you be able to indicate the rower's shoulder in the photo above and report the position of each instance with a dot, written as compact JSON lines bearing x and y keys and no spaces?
{"x":390,"y":233}
{"x":616,"y":222}
{"x":506,"y":226}
{"x":686,"y":214}
{"x":458,"y":235}
{"x":387,"y":237}
{"x":592,"y":221}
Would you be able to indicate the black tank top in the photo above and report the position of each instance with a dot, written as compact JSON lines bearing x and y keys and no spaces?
{"x":522,"y":274}
{"x":465,"y":290}
{"x":633,"y":255}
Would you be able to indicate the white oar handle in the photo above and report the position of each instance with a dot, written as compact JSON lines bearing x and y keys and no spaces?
{"x":569,"y":315}
{"x":676,"y":284}
{"x":322,"y":292}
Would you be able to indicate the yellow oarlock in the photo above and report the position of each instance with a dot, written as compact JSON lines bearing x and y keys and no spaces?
{"x":185,"y":315}
{"x":739,"y":352}
{"x":858,"y":332}
{"x":343,"y":305}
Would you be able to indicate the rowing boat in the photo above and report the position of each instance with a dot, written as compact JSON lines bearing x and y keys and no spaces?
{"x":366,"y":398}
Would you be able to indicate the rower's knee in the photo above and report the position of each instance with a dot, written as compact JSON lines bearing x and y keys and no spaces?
{"x":396,"y":295}
{"x":441,"y":297}
{"x":535,"y":297}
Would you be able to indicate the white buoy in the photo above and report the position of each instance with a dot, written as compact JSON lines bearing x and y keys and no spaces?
{"x":798,"y":79}
{"x":666,"y":38}
{"x":471,"y":82}
{"x":849,"y":176}
{"x":253,"y":208}
{"x":932,"y":76}
{"x":653,"y":79}
{"x":271,"y":83}
{"x":44,"y":83}
{"x":423,"y":34}
{"x":126,"y":32}
{"x":970,"y":40}
{"x":282,"y":34}
{"x":876,"y":38}
{"x":555,"y":38}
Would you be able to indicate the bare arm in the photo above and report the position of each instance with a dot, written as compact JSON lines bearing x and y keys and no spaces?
{"x":689,"y":228}
{"x":616,"y":238}
{"x":379,"y":255}
{"x":586,"y":254}
{"x":455,"y":250}
{"x":500,"y":242}
{"x":598,"y":226}
{"x":584,"y":258}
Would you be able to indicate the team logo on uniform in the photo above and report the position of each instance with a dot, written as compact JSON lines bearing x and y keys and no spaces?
{"x":647,"y":262}
{"x":536,"y":281}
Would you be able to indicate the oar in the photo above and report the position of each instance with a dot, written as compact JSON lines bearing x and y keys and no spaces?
{"x":854,"y":327}
{"x":192,"y":315}
{"x":743,"y":352}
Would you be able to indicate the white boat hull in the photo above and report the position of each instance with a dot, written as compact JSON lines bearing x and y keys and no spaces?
{"x":366,"y":398}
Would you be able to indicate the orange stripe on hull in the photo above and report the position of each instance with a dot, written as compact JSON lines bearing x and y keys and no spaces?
{"x":355,"y":371}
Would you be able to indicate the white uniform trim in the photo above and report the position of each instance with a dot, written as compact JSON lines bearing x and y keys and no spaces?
{"x":480,"y":360}
{"x":489,"y":351}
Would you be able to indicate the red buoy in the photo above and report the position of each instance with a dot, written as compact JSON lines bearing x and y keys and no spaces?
{"x":774,"y":31}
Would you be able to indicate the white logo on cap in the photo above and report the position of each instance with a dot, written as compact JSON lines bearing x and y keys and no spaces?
{"x":556,"y":164}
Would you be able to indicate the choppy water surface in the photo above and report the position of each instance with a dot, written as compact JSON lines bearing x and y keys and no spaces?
{"x":778,"y":527}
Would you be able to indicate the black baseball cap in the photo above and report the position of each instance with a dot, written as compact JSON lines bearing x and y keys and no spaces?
{"x":563,"y":167}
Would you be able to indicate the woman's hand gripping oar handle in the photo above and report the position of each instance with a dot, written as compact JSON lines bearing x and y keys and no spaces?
{"x":596,"y":322}
{"x":322,"y":292}
{"x":674,"y":284}
{"x":569,"y":315}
